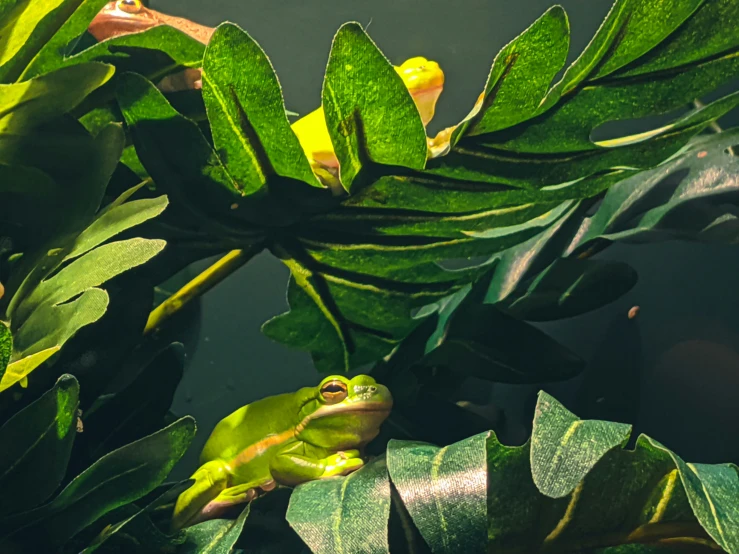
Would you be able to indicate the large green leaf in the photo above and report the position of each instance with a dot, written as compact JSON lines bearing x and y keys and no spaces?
{"x":30,"y":103}
{"x":370,"y":115}
{"x":247,"y":114}
{"x":60,"y":293}
{"x":346,"y":515}
{"x":690,"y":196}
{"x":50,"y":55}
{"x":36,"y":446}
{"x":26,"y":28}
{"x":116,"y":479}
{"x":154,"y":53}
{"x":444,"y":491}
{"x":137,"y":409}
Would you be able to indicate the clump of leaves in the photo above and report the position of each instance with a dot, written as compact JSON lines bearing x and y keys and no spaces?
{"x":91,"y":154}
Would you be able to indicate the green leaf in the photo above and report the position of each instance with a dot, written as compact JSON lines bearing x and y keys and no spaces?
{"x":178,"y":157}
{"x":26,"y":28}
{"x":155,"y":53}
{"x":216,"y":536}
{"x":20,"y":369}
{"x":570,"y":287}
{"x":6,"y":347}
{"x":564,"y":449}
{"x":30,"y":103}
{"x":247,"y":114}
{"x":689,"y":196}
{"x":444,"y":491}
{"x":522,"y":73}
{"x":481,"y":341}
{"x":369,"y":112}
{"x":344,"y":514}
{"x":37,"y":444}
{"x":139,"y":516}
{"x":50,"y":55}
{"x":116,"y":479}
{"x":712,"y":492}
{"x":138,"y":408}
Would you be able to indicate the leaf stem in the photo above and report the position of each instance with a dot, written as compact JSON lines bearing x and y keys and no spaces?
{"x":199,"y":285}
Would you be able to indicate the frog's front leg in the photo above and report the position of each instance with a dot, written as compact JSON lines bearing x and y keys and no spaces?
{"x":232,"y":496}
{"x":293,"y":466}
{"x":210,"y":479}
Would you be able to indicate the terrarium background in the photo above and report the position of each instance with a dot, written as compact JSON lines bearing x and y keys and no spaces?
{"x":688,"y":323}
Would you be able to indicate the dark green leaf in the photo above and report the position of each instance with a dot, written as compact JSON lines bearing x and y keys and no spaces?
{"x":444,"y":491}
{"x":571,"y":287}
{"x":137,"y":409}
{"x":247,"y":114}
{"x":564,"y":449}
{"x":689,"y":196}
{"x":37,"y":442}
{"x":115,"y":480}
{"x":216,"y":536}
{"x":344,"y":514}
{"x":369,"y":112}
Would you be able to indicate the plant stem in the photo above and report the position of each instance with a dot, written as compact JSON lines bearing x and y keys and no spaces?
{"x":199,"y":285}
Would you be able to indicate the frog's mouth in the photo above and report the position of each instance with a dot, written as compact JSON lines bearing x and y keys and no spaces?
{"x":365,"y":407}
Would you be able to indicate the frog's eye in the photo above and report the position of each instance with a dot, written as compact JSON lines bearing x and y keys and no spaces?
{"x":129,"y":6}
{"x":333,"y":391}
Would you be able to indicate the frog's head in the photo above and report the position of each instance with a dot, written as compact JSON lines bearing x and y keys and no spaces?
{"x":342,"y":413}
{"x":425,"y":81}
{"x":121,"y":18}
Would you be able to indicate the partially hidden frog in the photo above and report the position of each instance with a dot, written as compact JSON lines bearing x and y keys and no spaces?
{"x":284,"y":440}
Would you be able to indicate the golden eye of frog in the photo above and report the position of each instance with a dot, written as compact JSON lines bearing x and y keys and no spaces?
{"x":284,"y":440}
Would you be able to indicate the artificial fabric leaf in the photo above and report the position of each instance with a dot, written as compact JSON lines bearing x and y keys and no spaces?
{"x":154,"y":53}
{"x":19,"y":370}
{"x":522,"y":73}
{"x":444,"y":491}
{"x":37,"y":442}
{"x":564,"y":449}
{"x":6,"y":347}
{"x":51,"y":54}
{"x":689,"y":196}
{"x":179,"y":158}
{"x":216,"y":536}
{"x":26,"y":28}
{"x":247,"y":114}
{"x":369,"y":112}
{"x":30,"y":103}
{"x":570,"y":287}
{"x":344,"y":514}
{"x":137,"y":514}
{"x":136,"y":409}
{"x":116,"y":479}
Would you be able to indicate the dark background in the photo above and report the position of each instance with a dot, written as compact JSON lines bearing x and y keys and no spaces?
{"x":684,"y":340}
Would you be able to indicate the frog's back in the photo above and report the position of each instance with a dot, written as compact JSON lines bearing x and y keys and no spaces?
{"x":246,"y":438}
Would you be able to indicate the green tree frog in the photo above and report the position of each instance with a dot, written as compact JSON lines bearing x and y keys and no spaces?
{"x":284,"y":440}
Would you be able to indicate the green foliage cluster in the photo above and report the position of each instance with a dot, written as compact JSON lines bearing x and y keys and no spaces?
{"x":110,"y":187}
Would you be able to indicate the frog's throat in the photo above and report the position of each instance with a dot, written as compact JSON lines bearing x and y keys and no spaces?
{"x":376,"y":406}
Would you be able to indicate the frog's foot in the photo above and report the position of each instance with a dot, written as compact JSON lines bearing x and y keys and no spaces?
{"x":231,"y":497}
{"x":342,"y":463}
{"x":210,"y":480}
